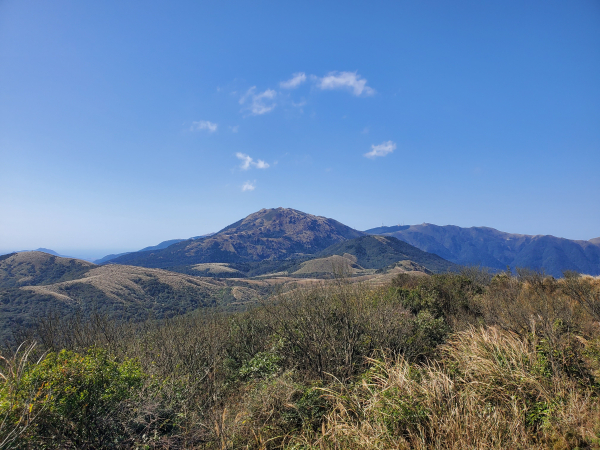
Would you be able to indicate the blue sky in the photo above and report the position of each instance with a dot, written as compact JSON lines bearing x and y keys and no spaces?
{"x":123,"y":123}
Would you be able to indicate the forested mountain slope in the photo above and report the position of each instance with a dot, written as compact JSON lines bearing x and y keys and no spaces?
{"x":496,"y":249}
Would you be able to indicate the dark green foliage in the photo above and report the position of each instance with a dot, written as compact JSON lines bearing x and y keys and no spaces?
{"x":309,"y":410}
{"x":449,"y":296}
{"x":261,"y":365}
{"x":428,"y":332}
{"x":402,"y":413}
{"x":167,"y":301}
{"x":19,"y":309}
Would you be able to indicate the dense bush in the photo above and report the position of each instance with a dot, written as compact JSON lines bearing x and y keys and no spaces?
{"x":78,"y":401}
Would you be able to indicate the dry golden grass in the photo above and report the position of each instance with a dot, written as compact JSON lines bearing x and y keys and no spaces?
{"x":517,"y":365}
{"x":488,"y":391}
{"x":120,"y":282}
{"x":215,"y":268}
{"x":330,"y":265}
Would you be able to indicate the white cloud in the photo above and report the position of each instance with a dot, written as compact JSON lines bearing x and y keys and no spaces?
{"x":248,"y":161}
{"x":381,"y":150}
{"x":296,"y":80}
{"x":260,"y":164}
{"x":204,"y":125}
{"x":260,"y":103}
{"x":234,"y":129}
{"x":345,"y":80}
{"x":249,"y":186}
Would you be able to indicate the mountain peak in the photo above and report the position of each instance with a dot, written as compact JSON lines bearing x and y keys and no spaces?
{"x":275,"y":233}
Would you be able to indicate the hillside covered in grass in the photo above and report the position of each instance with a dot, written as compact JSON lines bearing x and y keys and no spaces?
{"x":34,"y":284}
{"x":466,"y":360}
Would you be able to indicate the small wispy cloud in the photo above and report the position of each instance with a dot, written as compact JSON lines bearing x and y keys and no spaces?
{"x":296,"y":80}
{"x":234,"y":129}
{"x":381,"y":150}
{"x":345,"y":80}
{"x":248,"y":161}
{"x":260,"y":164}
{"x":260,"y":103}
{"x":249,"y":186}
{"x":204,"y":125}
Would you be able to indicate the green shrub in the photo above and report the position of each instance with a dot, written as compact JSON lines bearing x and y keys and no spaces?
{"x":262,"y":365}
{"x":445,"y":295}
{"x":77,"y":400}
{"x":309,"y":410}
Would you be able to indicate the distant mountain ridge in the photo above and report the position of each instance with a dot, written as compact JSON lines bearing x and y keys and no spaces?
{"x":45,"y":250}
{"x":269,"y":234}
{"x":163,"y":244}
{"x":160,"y":246}
{"x":498,"y":250}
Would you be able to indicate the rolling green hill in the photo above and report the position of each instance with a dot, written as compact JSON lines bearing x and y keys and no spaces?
{"x":378,"y":252}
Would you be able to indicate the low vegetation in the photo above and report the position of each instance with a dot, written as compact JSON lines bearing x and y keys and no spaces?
{"x":465,"y":360}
